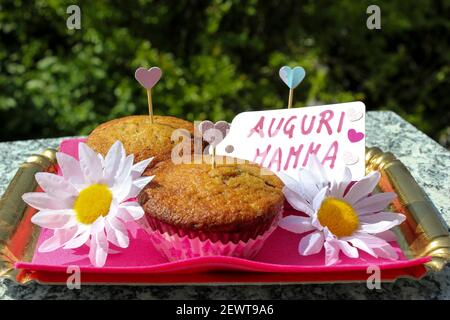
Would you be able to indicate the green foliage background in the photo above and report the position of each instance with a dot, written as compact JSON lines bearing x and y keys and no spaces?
{"x":219,"y":58}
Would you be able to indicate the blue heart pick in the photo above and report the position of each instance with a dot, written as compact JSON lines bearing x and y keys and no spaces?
{"x":292,"y":77}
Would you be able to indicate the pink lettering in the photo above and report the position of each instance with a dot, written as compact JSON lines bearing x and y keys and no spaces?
{"x":290,"y":131}
{"x":293,"y":153}
{"x":325,"y":117}
{"x":280,"y":123}
{"x":261,"y":155}
{"x":331,"y":154}
{"x":311,"y":124}
{"x":311,"y":150}
{"x":258,"y":128}
{"x":341,"y":122}
{"x":276,"y":159}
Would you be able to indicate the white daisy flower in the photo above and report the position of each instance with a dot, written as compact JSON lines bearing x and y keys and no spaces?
{"x":88,"y":203}
{"x":311,"y":180}
{"x":338,"y":220}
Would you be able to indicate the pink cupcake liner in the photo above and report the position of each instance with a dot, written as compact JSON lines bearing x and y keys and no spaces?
{"x":224,"y":237}
{"x":179,"y":247}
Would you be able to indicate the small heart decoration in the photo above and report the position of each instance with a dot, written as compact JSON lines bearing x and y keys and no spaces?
{"x":148,"y":78}
{"x":349,"y":158}
{"x":213,"y":133}
{"x":354,"y":136}
{"x":292,"y":77}
{"x":222,"y":126}
{"x":354,"y":115}
{"x":205,"y":126}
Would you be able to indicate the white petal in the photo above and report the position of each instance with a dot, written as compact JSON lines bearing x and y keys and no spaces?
{"x":70,"y":168}
{"x":370,"y":240}
{"x":130,"y":211}
{"x":98,"y":249}
{"x":138,"y":185}
{"x":308,"y":186}
{"x":56,"y":186}
{"x":347,"y":249}
{"x":379,"y":246}
{"x":344,"y":177}
{"x":315,"y":222}
{"x":124,"y":170}
{"x":90,"y":164}
{"x":379,"y":222}
{"x":139,"y":168}
{"x":316,"y":167}
{"x":318,"y":199}
{"x":98,"y":225}
{"x":331,"y":253}
{"x":362,"y":187}
{"x":311,"y":244}
{"x":122,"y":191}
{"x":290,"y":183}
{"x":344,"y":174}
{"x":60,"y":238}
{"x":374,"y":203}
{"x":102,"y":160}
{"x":387,"y":236}
{"x":110,"y":234}
{"x":296,"y":201}
{"x":296,"y":224}
{"x":386,"y":252}
{"x":334,"y":188}
{"x":43,"y":201}
{"x":360,"y":244}
{"x":287,"y":180}
{"x":329,"y":236}
{"x":53,"y":219}
{"x":117,"y":233}
{"x":78,"y":241}
{"x":112,"y":161}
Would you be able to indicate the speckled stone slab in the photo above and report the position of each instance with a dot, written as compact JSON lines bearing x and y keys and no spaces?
{"x":428,"y":162}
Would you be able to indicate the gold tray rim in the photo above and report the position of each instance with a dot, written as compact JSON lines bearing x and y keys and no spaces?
{"x":430,"y":236}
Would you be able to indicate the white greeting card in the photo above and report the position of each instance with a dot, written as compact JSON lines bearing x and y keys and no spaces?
{"x":283,"y":140}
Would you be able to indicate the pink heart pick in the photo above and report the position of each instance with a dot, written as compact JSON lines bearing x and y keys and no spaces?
{"x":208,"y":128}
{"x":354,"y":136}
{"x":205,"y":126}
{"x":148,"y":78}
{"x":222,"y":126}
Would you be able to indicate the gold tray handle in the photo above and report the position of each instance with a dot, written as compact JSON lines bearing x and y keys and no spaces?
{"x":13,"y":209}
{"x":425,"y":231}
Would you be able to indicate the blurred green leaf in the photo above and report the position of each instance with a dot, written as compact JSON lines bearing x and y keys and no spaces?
{"x":218,"y":58}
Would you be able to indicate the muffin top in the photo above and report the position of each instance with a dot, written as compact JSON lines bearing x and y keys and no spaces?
{"x":139,"y":136}
{"x":228,"y":198}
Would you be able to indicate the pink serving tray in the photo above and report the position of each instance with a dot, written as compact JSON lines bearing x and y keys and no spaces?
{"x":278,"y":261}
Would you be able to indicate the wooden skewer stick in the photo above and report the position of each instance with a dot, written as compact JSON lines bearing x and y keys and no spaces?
{"x":213,"y":160}
{"x":291,"y":97}
{"x":150,"y":104}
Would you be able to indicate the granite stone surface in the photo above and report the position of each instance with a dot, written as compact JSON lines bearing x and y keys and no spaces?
{"x":428,"y":162}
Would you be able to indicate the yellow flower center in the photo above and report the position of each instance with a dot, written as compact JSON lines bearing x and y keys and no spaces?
{"x":92,"y":202}
{"x":338,"y":216}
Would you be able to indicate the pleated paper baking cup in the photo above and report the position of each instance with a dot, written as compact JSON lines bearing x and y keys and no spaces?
{"x":177,"y":247}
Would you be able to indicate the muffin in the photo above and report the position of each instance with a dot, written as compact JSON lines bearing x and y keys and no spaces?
{"x":195,"y":210}
{"x":139,"y":136}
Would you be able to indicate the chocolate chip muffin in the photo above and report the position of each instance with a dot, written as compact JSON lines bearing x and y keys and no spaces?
{"x":139,"y":136}
{"x":224,"y":210}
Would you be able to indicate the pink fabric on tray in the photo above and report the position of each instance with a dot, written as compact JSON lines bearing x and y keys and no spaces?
{"x":279,"y":254}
